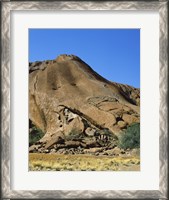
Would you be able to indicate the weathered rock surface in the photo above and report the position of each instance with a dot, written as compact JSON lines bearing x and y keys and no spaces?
{"x":70,"y":102}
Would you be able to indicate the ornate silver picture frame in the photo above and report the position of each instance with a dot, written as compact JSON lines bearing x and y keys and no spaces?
{"x":7,"y":7}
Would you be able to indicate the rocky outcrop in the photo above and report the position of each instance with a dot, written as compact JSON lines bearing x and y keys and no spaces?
{"x":76,"y":107}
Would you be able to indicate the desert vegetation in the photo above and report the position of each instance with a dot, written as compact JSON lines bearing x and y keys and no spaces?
{"x":55,"y":162}
{"x":35,"y":134}
{"x":130,"y":138}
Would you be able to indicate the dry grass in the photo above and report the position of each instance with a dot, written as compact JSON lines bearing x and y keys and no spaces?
{"x":55,"y":162}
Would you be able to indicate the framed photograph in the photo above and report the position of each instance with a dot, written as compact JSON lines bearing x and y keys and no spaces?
{"x":84,"y":99}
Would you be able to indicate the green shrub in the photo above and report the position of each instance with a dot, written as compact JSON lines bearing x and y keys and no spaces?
{"x":35,"y":134}
{"x":130,"y":138}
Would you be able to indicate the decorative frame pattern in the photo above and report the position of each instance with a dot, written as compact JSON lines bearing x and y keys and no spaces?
{"x":7,"y":7}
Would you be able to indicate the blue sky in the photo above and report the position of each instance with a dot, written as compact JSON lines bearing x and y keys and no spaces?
{"x":113,"y":53}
